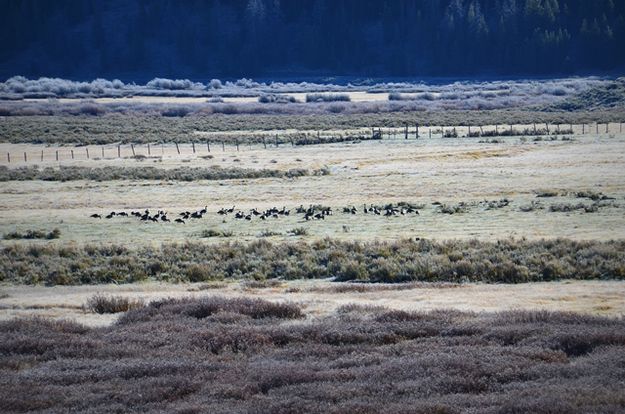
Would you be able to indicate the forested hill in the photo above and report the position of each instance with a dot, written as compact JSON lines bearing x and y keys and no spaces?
{"x":140,"y":39}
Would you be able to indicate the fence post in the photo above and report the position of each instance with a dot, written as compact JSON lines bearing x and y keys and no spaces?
{"x":406,"y":131}
{"x":193,"y":144}
{"x":177,"y":148}
{"x":41,"y":155}
{"x":162,"y":149}
{"x":72,"y":153}
{"x":265,"y":144}
{"x":237,"y":142}
{"x":149,"y":152}
{"x":132,"y":147}
{"x":87,"y":150}
{"x":469,"y":133}
{"x":583,"y":129}
{"x":102,"y":152}
{"x":557,"y":129}
{"x":620,"y":127}
{"x":534,"y":128}
{"x":9,"y":157}
{"x":208,"y":145}
{"x":606,"y":127}
{"x":416,"y":134}
{"x":430,"y":131}
{"x":496,"y":129}
{"x":547,"y":125}
{"x":25,"y":159}
{"x":119,"y":151}
{"x":511,"y":130}
{"x":481,"y":131}
{"x":57,"y":155}
{"x":277,"y":141}
{"x":223,"y":146}
{"x":597,"y":127}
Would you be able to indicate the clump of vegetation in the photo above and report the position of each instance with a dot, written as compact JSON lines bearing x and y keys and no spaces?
{"x":461,"y":207}
{"x":215,"y":233}
{"x":408,"y":260}
{"x":547,"y":193}
{"x":269,"y":233}
{"x":277,"y":98}
{"x":214,"y":354}
{"x":568,"y":207}
{"x":99,"y":303}
{"x":327,"y":97}
{"x":34,"y":234}
{"x":298,"y":231}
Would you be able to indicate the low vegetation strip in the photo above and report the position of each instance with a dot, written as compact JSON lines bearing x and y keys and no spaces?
{"x":146,"y":173}
{"x":505,"y":261}
{"x":138,"y":128}
{"x":242,"y":355}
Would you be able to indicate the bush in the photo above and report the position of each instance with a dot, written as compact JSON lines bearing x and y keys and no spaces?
{"x":111,"y":304}
{"x":327,"y":97}
{"x":34,"y":234}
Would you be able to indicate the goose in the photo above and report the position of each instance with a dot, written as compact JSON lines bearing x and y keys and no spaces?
{"x":95,"y":216}
{"x":179,"y":220}
{"x":111,"y":215}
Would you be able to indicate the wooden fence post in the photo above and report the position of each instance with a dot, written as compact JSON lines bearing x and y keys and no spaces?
{"x":9,"y":157}
{"x":534,"y":128}
{"x":237,"y":142}
{"x":102,"y":152}
{"x":57,"y":155}
{"x":606,"y":127}
{"x":496,"y":129}
{"x":430,"y":131}
{"x":25,"y":159}
{"x":87,"y":150}
{"x":481,"y":131}
{"x":177,"y":148}
{"x":469,"y":133}
{"x":132,"y":147}
{"x":276,"y":140}
{"x":41,"y":155}
{"x":417,"y":132}
{"x":193,"y":144}
{"x":149,"y":152}
{"x":72,"y":153}
{"x":223,"y":146}
{"x":547,"y":125}
{"x":583,"y":129}
{"x":265,"y":144}
{"x":119,"y":151}
{"x":208,"y":145}
{"x":597,"y":128}
{"x":406,"y":131}
{"x":291,"y":139}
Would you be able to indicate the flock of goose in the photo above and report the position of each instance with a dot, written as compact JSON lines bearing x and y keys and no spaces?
{"x":313,"y":212}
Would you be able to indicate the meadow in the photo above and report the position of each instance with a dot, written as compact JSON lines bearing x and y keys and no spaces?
{"x":327,"y":253}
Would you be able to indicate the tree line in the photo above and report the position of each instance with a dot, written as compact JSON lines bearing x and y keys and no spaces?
{"x":140,"y":39}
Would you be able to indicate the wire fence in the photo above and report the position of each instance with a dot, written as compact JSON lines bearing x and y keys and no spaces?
{"x":30,"y":153}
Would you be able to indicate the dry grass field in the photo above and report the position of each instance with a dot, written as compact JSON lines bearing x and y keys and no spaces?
{"x":423,"y":172}
{"x":267,"y":327}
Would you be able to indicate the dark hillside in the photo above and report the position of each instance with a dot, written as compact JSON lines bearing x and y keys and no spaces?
{"x":140,"y":39}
